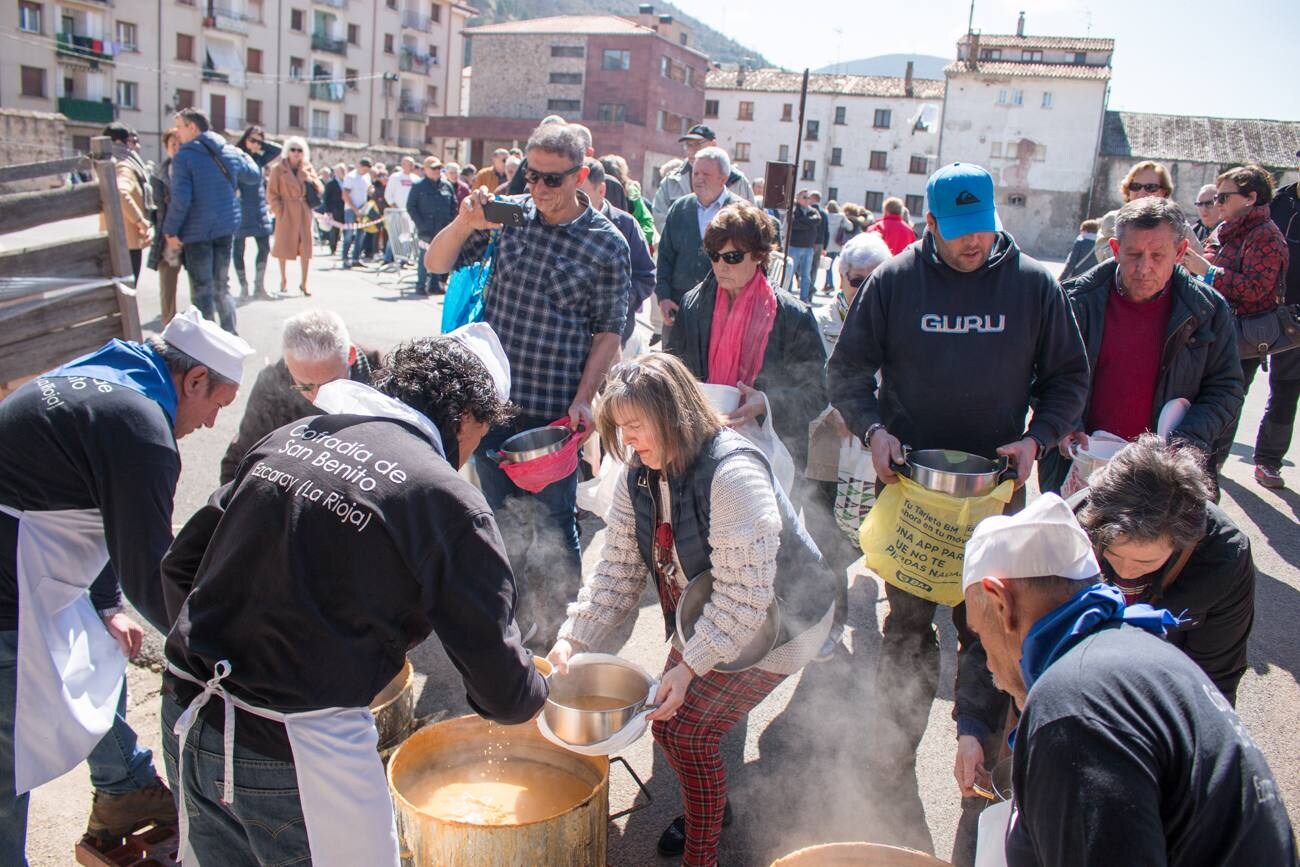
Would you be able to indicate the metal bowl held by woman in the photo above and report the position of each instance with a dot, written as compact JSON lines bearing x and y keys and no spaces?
{"x":594,"y":700}
{"x":691,"y":606}
{"x":952,"y":472}
{"x":535,"y":443}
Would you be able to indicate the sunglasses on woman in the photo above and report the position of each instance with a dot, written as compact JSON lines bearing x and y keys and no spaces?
{"x":731,"y":257}
{"x":1222,"y":198}
{"x":551,"y":179}
{"x":1148,"y":188}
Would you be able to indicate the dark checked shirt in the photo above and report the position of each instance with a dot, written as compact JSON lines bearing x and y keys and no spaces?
{"x":552,"y":288}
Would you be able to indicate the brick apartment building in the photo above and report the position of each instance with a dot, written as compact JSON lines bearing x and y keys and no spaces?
{"x":636,"y":83}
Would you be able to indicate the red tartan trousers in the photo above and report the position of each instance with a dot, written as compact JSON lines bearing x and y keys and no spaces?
{"x":692,"y":739}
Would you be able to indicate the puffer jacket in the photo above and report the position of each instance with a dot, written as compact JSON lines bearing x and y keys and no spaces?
{"x":1199,"y":362}
{"x":1250,"y":260}
{"x":431,"y":206}
{"x":205,"y":204}
{"x":255,"y":218}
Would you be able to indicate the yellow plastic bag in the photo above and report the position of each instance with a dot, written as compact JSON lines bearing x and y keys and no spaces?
{"x":915,"y":538}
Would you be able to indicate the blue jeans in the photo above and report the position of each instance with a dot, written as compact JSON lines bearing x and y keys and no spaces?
{"x":208,"y":264}
{"x":264,"y":825}
{"x":540,"y":532}
{"x":830,"y":270}
{"x":424,"y":281}
{"x":352,"y":238}
{"x":117,"y":763}
{"x":803,"y":265}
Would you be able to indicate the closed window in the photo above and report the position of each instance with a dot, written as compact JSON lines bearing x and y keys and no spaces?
{"x":611,"y":111}
{"x":185,"y":99}
{"x":918,"y":166}
{"x":295,"y":68}
{"x":566,"y":78}
{"x":295,"y":116}
{"x":995,"y":149}
{"x":354,"y":34}
{"x":388,"y":43}
{"x":787,"y":111}
{"x":253,"y":110}
{"x":1031,"y":56}
{"x":878,"y":159}
{"x":837,"y":156}
{"x":783,"y":154}
{"x":914,"y":204}
{"x":710,"y":108}
{"x":563,"y":105}
{"x":29,"y":17}
{"x":185,"y":47}
{"x":742,"y":152}
{"x":568,"y":51}
{"x":1047,"y":99}
{"x":126,"y":36}
{"x":254,"y":61}
{"x":745,"y":111}
{"x":809,"y":172}
{"x":33,"y":81}
{"x":435,"y":13}
{"x":813,"y":127}
{"x":1002,"y":97}
{"x":841,"y":114}
{"x":1017,"y":97}
{"x":615,"y":59}
{"x":1080,"y":57}
{"x":431,"y":94}
{"x":128,"y":94}
{"x":349,"y":124}
{"x":990,"y":54}
{"x":874,"y":201}
{"x":882,"y":118}
{"x":350,"y":75}
{"x":832,"y":193}
{"x":297,"y":22}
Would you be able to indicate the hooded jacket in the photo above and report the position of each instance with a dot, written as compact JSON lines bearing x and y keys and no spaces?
{"x":1199,"y":361}
{"x":204,"y":202}
{"x":961,"y":353}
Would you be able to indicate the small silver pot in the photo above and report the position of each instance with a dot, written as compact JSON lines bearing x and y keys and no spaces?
{"x":952,"y":472}
{"x":691,"y":605}
{"x":607,"y":679}
{"x":530,"y":444}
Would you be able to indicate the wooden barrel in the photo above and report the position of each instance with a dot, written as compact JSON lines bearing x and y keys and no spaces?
{"x":575,"y":837}
{"x":858,"y":855}
{"x":394,"y":709}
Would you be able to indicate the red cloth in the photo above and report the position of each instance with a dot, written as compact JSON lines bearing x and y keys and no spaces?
{"x":1128,"y":365}
{"x":896,"y":233}
{"x":740,"y":330}
{"x":691,"y":742}
{"x":1253,"y":256}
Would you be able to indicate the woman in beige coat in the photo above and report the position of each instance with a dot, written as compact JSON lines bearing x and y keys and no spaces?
{"x":286,"y":193}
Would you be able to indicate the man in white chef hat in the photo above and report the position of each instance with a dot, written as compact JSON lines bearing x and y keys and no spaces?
{"x":342,"y":542}
{"x":88,"y":471}
{"x":1125,"y":752}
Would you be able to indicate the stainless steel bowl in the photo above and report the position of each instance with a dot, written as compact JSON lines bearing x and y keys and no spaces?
{"x":607,"y":679}
{"x":535,"y":443}
{"x":691,"y":606}
{"x":952,"y":472}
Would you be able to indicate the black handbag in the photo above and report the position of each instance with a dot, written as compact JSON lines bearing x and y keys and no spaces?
{"x":312,"y":194}
{"x":1263,"y":334}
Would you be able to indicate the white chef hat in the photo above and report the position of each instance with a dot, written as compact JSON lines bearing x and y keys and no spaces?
{"x":1043,"y":539}
{"x":480,"y":339}
{"x":208,"y":343}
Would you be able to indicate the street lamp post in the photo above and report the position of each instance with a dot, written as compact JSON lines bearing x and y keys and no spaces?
{"x":389,"y":78}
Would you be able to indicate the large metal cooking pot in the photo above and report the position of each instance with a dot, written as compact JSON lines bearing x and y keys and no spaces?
{"x":858,"y":855}
{"x":691,"y":605}
{"x":535,"y":443}
{"x":609,"y":679}
{"x":394,"y":709}
{"x":952,"y":472}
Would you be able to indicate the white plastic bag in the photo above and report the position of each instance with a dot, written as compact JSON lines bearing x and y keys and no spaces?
{"x":596,"y":495}
{"x":1102,"y":446}
{"x":855,"y":488}
{"x":770,"y":444}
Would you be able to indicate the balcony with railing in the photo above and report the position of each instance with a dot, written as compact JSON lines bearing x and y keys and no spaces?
{"x":407,"y":104}
{"x":320,"y":130}
{"x":87,"y":110}
{"x":324,"y":42}
{"x":334,"y":4}
{"x":410,"y":140}
{"x":414,"y":19}
{"x":227,"y":20}
{"x":72,"y":47}
{"x":329,"y":91}
{"x":211,"y":73}
{"x":412,"y":60}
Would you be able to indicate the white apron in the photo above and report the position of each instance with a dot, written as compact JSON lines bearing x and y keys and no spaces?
{"x":346,"y":807}
{"x":991,"y":842}
{"x":70,"y":669}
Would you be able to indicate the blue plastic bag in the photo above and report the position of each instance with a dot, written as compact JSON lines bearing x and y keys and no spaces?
{"x":464,"y":300}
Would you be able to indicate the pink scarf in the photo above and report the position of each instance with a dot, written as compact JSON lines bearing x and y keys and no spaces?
{"x":740,"y":330}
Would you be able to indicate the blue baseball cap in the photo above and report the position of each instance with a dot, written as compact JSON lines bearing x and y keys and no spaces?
{"x":960,"y":196}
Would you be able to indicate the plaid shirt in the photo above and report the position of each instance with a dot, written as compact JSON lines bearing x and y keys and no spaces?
{"x":552,"y":288}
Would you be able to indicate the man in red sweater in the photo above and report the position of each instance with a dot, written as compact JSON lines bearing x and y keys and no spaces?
{"x":892,"y":227}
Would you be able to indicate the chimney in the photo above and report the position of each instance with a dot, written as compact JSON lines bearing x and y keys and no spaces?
{"x":907,"y":79}
{"x":973,"y":50}
{"x":1020,"y":25}
{"x":645,"y":15}
{"x":740,"y":75}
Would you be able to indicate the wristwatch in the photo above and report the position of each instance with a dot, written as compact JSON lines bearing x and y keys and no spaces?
{"x":866,"y":437}
{"x":105,"y":613}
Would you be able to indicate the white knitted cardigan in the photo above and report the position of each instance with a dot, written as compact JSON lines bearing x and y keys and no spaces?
{"x":744,"y":533}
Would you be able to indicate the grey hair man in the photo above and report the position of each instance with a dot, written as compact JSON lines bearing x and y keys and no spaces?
{"x":559,"y":299}
{"x":315,"y":349}
{"x":1110,"y":711}
{"x":493,"y":175}
{"x":696,"y":140}
{"x":1175,"y":340}
{"x":1207,"y":212}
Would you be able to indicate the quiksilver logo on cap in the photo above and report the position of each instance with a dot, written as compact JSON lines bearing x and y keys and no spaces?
{"x":966,"y":197}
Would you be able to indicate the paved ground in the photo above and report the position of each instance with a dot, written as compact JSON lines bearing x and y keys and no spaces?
{"x":795,"y":767}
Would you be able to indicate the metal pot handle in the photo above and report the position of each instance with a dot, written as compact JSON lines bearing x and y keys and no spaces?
{"x":1005,"y":470}
{"x":904,"y":468}
{"x":495,"y":457}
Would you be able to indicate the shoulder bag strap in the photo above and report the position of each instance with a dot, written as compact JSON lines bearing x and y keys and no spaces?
{"x":1174,"y":571}
{"x":220,"y":163}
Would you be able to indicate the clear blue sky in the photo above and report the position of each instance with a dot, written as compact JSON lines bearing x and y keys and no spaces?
{"x":1228,"y":58}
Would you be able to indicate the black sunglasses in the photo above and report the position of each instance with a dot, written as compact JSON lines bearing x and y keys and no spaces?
{"x":295,"y":150}
{"x":1222,"y":198}
{"x":551,"y":179}
{"x":1150,"y":188}
{"x":731,"y":257}
{"x":1205,"y":204}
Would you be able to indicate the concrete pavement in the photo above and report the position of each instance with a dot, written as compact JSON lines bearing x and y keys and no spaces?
{"x":795,"y":766}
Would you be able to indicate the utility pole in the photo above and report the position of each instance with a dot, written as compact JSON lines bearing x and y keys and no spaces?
{"x":970,"y":22}
{"x":789,"y":208}
{"x":389,"y":78}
